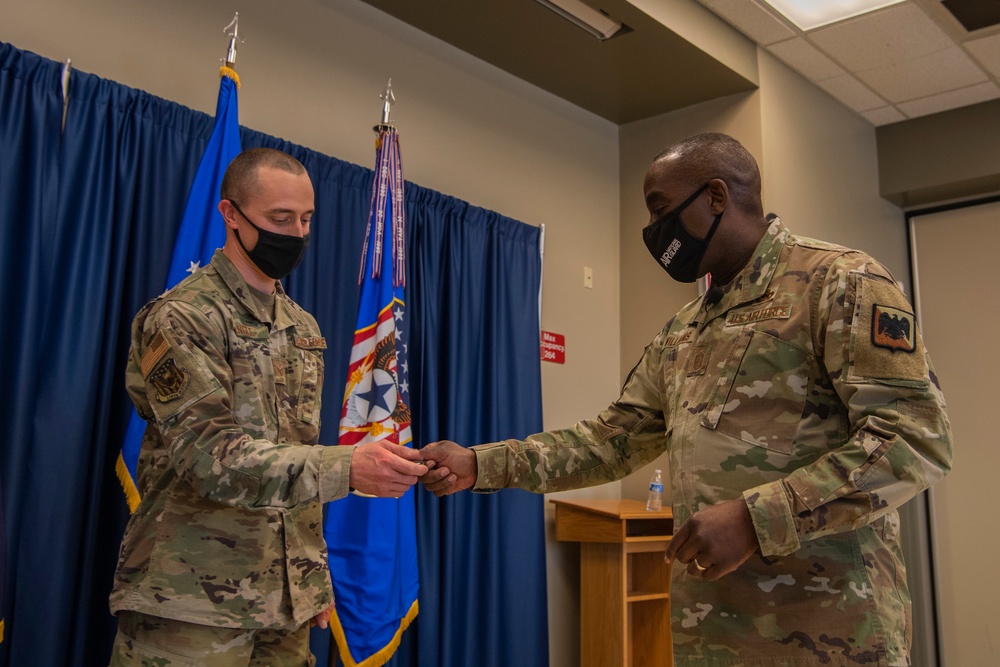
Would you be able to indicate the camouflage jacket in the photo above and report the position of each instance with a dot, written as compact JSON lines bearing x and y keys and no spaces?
{"x":807,"y":392}
{"x":229,"y":530}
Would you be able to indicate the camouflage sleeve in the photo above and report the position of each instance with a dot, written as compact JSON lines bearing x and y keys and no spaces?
{"x":207,"y":446}
{"x":898,"y":440}
{"x":624,"y":437}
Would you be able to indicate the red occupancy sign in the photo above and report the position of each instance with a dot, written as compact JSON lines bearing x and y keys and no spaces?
{"x":553,"y":347}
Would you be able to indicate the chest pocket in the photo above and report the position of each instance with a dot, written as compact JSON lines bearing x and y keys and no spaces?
{"x":310,"y":353}
{"x":762,"y":391}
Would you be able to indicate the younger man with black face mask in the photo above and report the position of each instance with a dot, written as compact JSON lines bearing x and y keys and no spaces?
{"x":799,"y":409}
{"x":223,"y":563}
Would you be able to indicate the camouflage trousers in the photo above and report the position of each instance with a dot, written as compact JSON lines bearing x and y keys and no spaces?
{"x":150,"y":641}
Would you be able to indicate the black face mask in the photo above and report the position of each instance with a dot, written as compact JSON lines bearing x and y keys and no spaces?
{"x":678,"y":252}
{"x":275,"y":254}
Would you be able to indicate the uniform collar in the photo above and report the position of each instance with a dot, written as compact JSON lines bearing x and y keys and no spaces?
{"x":237,"y":284}
{"x":752,"y":281}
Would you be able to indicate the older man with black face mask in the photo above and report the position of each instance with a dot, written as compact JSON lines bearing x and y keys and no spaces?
{"x":223,"y":564}
{"x":799,"y":410}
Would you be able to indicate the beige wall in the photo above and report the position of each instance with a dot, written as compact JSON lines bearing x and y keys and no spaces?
{"x":945,"y":157}
{"x":820,"y":169}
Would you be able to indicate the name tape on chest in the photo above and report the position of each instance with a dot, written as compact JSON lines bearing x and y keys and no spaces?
{"x":676,"y":339}
{"x":776,"y":312}
{"x":310,"y":342}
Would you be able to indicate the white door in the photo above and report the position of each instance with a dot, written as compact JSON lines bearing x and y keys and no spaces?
{"x":957,"y":295}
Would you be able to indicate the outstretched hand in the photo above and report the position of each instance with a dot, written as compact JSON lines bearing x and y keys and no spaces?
{"x":385,"y":469}
{"x":453,"y":467}
{"x":715,"y":541}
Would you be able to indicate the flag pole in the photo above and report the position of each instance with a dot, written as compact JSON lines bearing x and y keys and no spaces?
{"x":200,"y":233}
{"x":229,"y":68}
{"x":388,"y":99}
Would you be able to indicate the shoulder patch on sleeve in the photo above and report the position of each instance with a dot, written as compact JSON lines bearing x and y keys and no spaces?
{"x":154,"y":353}
{"x":885,"y":344}
{"x":169,"y":380}
{"x":161,"y":371}
{"x":892,"y":328}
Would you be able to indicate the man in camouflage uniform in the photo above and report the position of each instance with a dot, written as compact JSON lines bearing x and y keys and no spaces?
{"x":799,"y":410}
{"x":224,"y":563}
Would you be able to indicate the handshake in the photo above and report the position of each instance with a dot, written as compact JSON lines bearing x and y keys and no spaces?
{"x":388,"y":471}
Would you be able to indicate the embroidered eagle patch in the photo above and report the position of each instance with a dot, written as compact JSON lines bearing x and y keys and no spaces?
{"x":893,"y":328}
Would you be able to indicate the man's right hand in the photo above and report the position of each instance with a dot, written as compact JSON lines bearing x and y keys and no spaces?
{"x":385,"y":469}
{"x":454,"y":467}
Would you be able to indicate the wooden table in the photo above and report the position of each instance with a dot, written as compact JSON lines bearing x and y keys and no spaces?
{"x":624,"y":581}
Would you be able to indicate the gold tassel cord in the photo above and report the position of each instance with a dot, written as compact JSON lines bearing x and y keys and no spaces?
{"x":231,"y":73}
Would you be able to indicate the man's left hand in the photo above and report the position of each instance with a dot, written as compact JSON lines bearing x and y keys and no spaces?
{"x":715,"y":541}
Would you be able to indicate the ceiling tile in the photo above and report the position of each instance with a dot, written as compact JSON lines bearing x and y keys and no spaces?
{"x":921,"y":77}
{"x":806,"y":59}
{"x":893,"y":35}
{"x":883,"y":115}
{"x":851,"y":92}
{"x":950,"y":100}
{"x":752,"y":19}
{"x":987,"y":51}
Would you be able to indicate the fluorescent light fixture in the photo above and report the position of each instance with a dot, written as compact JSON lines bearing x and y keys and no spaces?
{"x":810,"y":14}
{"x":597,"y":24}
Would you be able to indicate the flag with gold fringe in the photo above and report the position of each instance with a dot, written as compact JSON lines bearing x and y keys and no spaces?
{"x":372,"y":541}
{"x":202,"y":230}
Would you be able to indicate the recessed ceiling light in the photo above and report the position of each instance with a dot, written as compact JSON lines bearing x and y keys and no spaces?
{"x":810,"y":14}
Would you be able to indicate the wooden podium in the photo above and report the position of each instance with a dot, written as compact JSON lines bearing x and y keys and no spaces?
{"x":624,"y":581}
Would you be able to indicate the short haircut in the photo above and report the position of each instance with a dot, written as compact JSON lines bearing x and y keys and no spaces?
{"x":241,"y":175}
{"x":715,"y":155}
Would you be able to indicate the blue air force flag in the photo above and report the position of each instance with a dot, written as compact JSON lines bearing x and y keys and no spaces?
{"x":201,"y":232}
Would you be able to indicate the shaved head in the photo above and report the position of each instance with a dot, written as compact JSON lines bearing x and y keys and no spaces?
{"x":240,"y":180}
{"x":698,"y":159}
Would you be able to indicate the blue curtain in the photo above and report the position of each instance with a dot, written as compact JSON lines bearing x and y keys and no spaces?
{"x":31,"y":109}
{"x":475,"y":377}
{"x":89,"y":217}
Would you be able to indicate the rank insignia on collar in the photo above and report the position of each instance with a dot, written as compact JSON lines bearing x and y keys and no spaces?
{"x":169,"y":381}
{"x":892,"y":328}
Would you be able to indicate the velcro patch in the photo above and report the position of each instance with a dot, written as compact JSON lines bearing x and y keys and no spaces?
{"x":893,"y":328}
{"x":157,"y":348}
{"x":169,"y":381}
{"x":678,"y":338}
{"x":779,"y":312}
{"x":310,"y":343}
{"x":247,"y":331}
{"x":698,"y":359}
{"x":885,"y":345}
